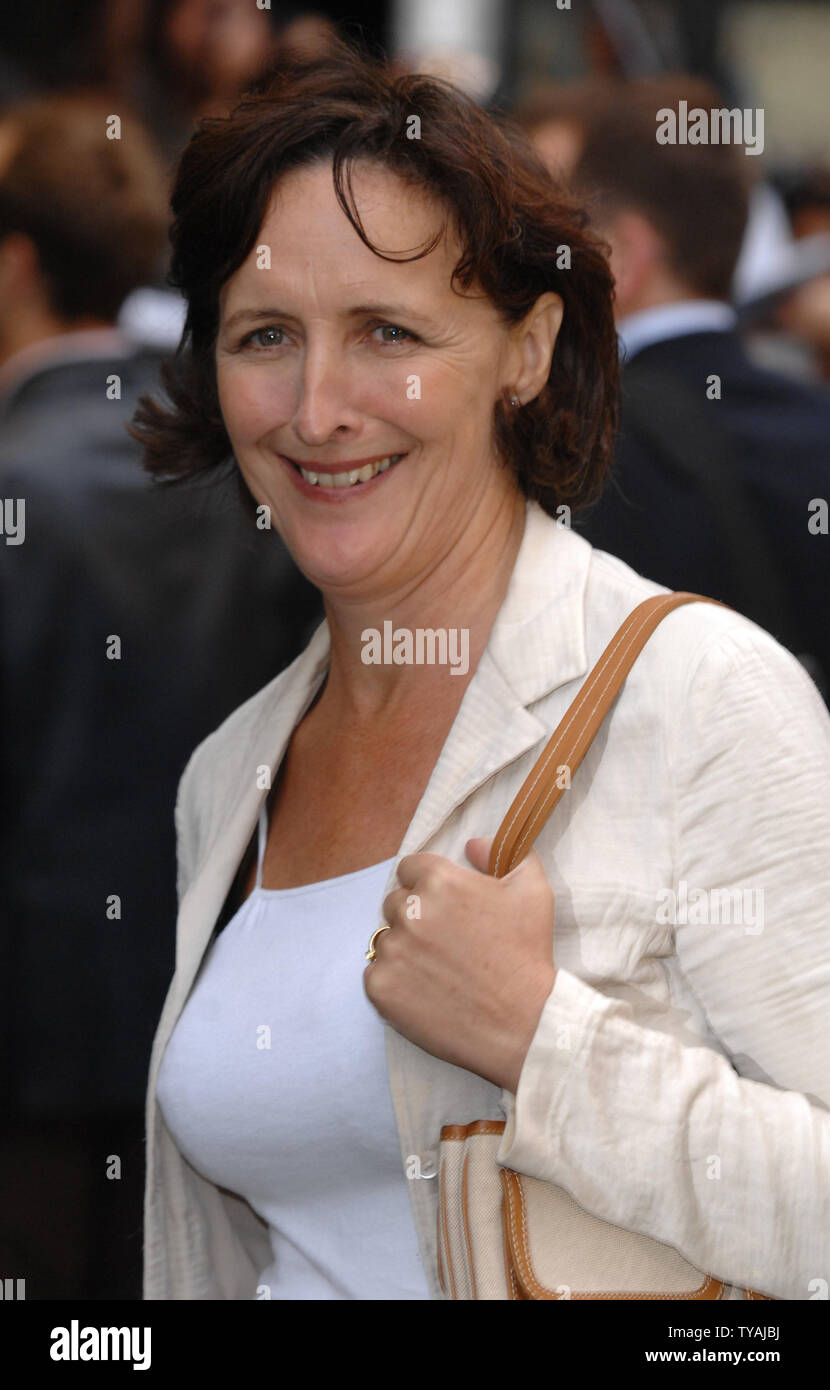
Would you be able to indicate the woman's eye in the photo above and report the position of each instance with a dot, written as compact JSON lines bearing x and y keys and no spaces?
{"x":269,"y":337}
{"x":265,"y":337}
{"x":403,"y":333}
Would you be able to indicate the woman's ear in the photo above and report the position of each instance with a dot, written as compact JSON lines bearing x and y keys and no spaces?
{"x":534,"y":340}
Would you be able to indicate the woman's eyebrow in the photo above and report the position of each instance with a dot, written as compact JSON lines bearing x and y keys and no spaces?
{"x":390,"y":311}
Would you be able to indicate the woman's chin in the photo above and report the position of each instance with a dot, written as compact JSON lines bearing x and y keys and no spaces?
{"x":340,"y":564}
{"x":338,"y":553}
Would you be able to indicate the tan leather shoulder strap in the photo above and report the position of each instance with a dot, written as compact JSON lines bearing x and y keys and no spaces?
{"x":570,"y":741}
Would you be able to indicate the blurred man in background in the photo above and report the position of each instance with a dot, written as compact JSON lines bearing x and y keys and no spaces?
{"x":718,"y":460}
{"x":806,"y":312}
{"x":133,"y":619}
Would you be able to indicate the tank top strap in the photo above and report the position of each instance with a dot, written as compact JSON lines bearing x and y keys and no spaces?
{"x":263,"y":836}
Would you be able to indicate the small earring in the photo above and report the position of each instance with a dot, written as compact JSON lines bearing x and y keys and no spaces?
{"x":514,"y":400}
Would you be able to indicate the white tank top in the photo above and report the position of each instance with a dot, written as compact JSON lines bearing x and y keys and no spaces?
{"x":274,"y":1085}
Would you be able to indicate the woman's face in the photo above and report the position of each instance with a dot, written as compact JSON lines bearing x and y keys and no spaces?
{"x":332,"y":360}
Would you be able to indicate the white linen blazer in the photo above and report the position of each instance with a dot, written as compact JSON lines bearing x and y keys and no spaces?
{"x":678,"y":1083}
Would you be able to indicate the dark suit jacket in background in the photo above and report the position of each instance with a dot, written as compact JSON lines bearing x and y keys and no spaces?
{"x":777,"y":432}
{"x":208,"y":609}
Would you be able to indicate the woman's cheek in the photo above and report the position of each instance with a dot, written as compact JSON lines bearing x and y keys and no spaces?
{"x":439,"y":393}
{"x":252,"y":403}
{"x":421,"y":401}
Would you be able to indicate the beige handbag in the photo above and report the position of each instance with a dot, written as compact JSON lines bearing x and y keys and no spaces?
{"x":502,"y":1235}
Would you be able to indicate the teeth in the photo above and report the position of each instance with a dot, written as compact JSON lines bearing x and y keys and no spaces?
{"x":355,"y":475}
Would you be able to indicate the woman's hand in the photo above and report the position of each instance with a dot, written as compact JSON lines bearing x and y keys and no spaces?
{"x":468,"y":964}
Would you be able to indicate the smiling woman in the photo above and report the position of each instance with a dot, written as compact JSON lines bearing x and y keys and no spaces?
{"x":472,"y":183}
{"x":317,"y":401}
{"x":382,"y":332}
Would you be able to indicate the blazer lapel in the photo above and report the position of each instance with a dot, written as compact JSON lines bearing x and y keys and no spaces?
{"x":241,"y":801}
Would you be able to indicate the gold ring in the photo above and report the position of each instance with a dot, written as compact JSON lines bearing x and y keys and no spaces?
{"x":370,"y":954}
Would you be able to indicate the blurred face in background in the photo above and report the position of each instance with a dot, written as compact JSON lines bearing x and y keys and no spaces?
{"x":559,"y":145}
{"x":216,"y":47}
{"x":806,"y":312}
{"x":334,"y":359}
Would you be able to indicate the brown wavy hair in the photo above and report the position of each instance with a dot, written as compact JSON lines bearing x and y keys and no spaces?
{"x":512,"y":222}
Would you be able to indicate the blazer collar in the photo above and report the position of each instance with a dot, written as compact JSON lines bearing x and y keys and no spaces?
{"x":537,"y":644}
{"x":538,"y":639}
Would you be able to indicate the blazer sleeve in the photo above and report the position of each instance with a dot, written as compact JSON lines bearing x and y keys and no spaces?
{"x":725,"y":1158}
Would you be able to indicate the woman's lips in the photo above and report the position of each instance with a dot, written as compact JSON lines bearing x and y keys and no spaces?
{"x":329,"y":492}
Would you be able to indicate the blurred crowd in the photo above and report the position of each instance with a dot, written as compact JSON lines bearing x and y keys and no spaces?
{"x":134,"y":618}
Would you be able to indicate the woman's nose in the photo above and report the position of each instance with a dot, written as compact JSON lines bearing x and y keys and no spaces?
{"x":325,"y":396}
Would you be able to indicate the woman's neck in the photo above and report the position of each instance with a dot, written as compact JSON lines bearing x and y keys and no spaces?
{"x":423,"y":645}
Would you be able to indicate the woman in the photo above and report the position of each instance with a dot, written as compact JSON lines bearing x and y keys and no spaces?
{"x":416,"y":437}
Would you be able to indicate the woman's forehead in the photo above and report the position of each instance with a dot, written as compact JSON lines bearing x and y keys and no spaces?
{"x":398,"y":217}
{"x":307,"y":249}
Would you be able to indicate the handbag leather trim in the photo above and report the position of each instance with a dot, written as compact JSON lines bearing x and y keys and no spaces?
{"x":475,"y":1127}
{"x":514,"y":1291}
{"x":514,"y":1216}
